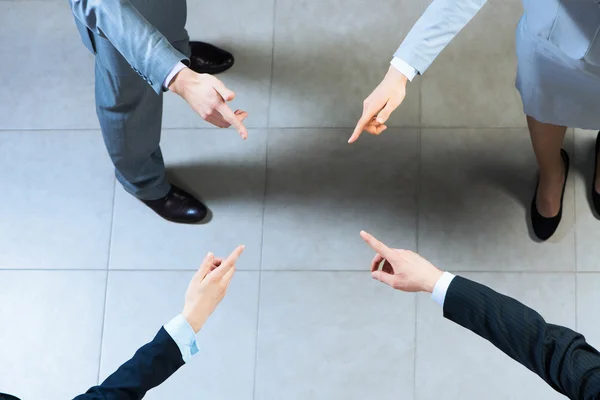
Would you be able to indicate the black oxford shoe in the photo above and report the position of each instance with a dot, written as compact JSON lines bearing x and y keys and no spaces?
{"x":179,"y":206}
{"x":4,"y":396}
{"x":209,"y":59}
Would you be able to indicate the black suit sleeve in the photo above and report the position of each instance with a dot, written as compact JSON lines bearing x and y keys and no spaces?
{"x":150,"y":366}
{"x":557,"y":354}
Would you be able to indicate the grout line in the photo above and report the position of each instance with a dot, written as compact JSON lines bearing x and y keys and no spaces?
{"x":262,"y":233}
{"x":418,"y":191}
{"x":270,"y":102}
{"x":415,"y":349}
{"x":417,"y":222}
{"x":106,"y":282}
{"x":421,"y":100}
{"x":262,"y":239}
{"x":454,"y":271}
{"x":576,"y":303}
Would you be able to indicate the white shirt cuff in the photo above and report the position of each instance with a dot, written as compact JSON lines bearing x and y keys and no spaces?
{"x":184,"y":337}
{"x":441,"y":287}
{"x":176,"y":69}
{"x":404,"y":68}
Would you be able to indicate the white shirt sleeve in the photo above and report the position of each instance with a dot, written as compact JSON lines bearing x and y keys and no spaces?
{"x":176,"y":69}
{"x":404,"y":68}
{"x":441,"y":287}
{"x":184,"y":337}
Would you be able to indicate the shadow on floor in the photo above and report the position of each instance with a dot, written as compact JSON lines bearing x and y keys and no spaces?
{"x":494,"y":181}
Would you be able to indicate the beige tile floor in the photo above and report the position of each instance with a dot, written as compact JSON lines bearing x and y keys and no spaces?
{"x":87,"y":274}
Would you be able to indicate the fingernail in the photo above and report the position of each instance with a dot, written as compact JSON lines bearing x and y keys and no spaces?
{"x":209,"y":255}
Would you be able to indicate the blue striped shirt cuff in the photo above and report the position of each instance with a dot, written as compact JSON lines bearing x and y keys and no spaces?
{"x":184,"y":337}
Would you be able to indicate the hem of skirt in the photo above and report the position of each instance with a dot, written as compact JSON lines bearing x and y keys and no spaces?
{"x":546,"y":119}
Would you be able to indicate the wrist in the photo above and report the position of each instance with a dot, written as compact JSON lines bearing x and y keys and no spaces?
{"x":195,"y":322}
{"x":432,"y":280}
{"x":180,"y":80}
{"x":396,"y":76}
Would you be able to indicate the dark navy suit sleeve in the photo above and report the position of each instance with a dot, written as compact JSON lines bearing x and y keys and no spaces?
{"x":150,"y":366}
{"x":557,"y":354}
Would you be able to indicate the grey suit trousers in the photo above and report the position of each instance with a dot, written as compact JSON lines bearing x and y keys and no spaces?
{"x":129,"y":110}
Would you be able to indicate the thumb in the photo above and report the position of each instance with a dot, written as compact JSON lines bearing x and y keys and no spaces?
{"x":384,"y":277}
{"x":225,"y":93}
{"x":389,"y":108}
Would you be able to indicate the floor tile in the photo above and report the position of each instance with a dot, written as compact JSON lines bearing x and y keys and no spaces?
{"x":463,"y":366}
{"x":472,"y":82}
{"x":333,"y":335}
{"x":327,"y":61}
{"x":51,"y":328}
{"x":476,"y":187}
{"x":321,"y":192}
{"x":46,"y":71}
{"x":246,"y":30}
{"x":228,"y":174}
{"x":58,"y":195}
{"x":588,"y":224}
{"x":588,"y":298}
{"x":227,"y":343}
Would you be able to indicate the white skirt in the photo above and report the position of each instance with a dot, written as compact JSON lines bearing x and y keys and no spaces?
{"x":556,"y":89}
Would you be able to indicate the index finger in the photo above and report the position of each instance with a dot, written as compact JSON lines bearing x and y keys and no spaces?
{"x":376,"y":245}
{"x":360,"y":127}
{"x":229,"y":262}
{"x":232,"y":119}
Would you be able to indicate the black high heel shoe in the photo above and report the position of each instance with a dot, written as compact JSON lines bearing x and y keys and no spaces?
{"x":544,"y":227}
{"x":595,"y":194}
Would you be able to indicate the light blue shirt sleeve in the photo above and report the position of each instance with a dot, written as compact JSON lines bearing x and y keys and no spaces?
{"x":441,"y":288}
{"x":438,"y":25}
{"x":184,"y":337}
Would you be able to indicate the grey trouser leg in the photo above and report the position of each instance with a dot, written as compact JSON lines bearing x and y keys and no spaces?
{"x":130,"y":112}
{"x":130,"y":115}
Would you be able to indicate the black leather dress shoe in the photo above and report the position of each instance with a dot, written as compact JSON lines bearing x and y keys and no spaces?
{"x":179,"y":206}
{"x":4,"y":396}
{"x":545,"y":227}
{"x":595,"y":194}
{"x":209,"y":59}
